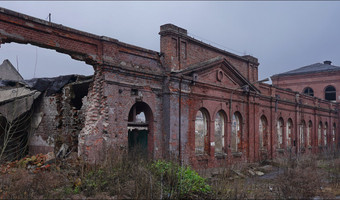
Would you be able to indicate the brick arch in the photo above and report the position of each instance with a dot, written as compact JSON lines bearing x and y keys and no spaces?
{"x":218,"y":109}
{"x":137,"y":108}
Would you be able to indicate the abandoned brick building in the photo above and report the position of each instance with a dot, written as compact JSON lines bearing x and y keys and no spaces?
{"x":321,"y":80}
{"x":190,"y":101}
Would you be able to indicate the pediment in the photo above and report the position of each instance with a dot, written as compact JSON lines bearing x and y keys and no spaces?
{"x":218,"y":71}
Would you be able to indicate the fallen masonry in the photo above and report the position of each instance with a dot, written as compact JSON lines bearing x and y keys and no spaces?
{"x":42,"y":115}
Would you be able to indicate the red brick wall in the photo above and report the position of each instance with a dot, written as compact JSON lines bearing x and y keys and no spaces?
{"x":181,"y":51}
{"x":121,"y":67}
{"x":317,"y":81}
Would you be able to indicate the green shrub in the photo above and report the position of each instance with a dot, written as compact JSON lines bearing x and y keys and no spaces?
{"x":180,"y":179}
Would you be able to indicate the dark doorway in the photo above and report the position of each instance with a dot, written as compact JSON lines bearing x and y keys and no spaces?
{"x":138,"y":140}
{"x":139,"y":128}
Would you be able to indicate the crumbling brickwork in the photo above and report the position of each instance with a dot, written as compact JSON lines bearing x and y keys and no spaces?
{"x":162,"y":101}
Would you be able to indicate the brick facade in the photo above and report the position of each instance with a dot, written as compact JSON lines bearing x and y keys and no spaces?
{"x":316,"y":79}
{"x":171,"y":88}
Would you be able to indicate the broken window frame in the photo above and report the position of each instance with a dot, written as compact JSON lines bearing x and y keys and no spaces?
{"x":220,"y":121}
{"x":289,"y":134}
{"x":263,"y":133}
{"x":319,"y":133}
{"x":325,"y":134}
{"x":201,"y":133}
{"x":302,"y":134}
{"x":236,"y":133}
{"x":309,"y":134}
{"x":279,"y":133}
{"x":333,"y":133}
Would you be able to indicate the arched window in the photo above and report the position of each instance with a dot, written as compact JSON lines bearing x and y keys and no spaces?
{"x":289,"y":129}
{"x":308,"y":91}
{"x":263,"y":129}
{"x":302,"y":134}
{"x":309,"y":133}
{"x":319,"y":133}
{"x":279,"y":130}
{"x":201,"y":132}
{"x":236,"y":133}
{"x":325,"y":133}
{"x":330,"y":93}
{"x":220,"y":120}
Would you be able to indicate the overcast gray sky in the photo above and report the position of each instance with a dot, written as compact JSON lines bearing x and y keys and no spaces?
{"x":282,"y":35}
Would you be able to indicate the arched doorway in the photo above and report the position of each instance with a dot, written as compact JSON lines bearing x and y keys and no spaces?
{"x":140,"y":123}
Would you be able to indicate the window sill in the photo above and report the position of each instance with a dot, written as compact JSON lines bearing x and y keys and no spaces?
{"x":221,"y":155}
{"x":202,"y":157}
{"x":264,"y":150}
{"x":237,"y":154}
{"x":280,"y":150}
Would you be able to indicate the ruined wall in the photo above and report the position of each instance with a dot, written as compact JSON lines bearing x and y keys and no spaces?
{"x":45,"y":125}
{"x":126,"y":75}
{"x":59,"y":118}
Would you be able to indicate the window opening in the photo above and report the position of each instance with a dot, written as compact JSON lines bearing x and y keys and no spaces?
{"x":308,"y":91}
{"x":325,"y":133}
{"x":279,"y":130}
{"x":219,"y":132}
{"x":319,"y":133}
{"x":330,"y":93}
{"x":201,"y":130}
{"x":309,"y":133}
{"x":236,"y":135}
{"x":263,"y":126}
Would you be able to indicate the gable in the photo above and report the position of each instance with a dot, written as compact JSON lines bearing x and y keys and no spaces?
{"x":218,"y":71}
{"x":8,"y":72}
{"x":219,"y":75}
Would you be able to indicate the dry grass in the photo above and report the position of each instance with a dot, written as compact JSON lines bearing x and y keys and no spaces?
{"x":122,"y":177}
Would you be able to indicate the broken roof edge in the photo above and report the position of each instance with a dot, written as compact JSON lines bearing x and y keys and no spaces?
{"x":54,"y":85}
{"x":72,"y":30}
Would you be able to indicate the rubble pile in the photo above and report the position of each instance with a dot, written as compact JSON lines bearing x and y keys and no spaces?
{"x":34,"y":164}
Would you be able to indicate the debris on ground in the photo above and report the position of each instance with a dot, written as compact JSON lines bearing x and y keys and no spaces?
{"x":34,"y":164}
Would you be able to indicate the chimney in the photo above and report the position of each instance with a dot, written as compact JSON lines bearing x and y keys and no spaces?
{"x":173,"y":28}
{"x":327,"y":62}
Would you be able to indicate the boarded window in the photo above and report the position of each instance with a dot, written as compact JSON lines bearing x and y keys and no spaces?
{"x":201,"y":131}
{"x":219,"y":132}
{"x":308,"y":91}
{"x":236,"y":133}
{"x":319,"y":133}
{"x":263,"y":129}
{"x":309,"y":134}
{"x":330,"y":93}
{"x":279,"y":131}
{"x":325,"y":133}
